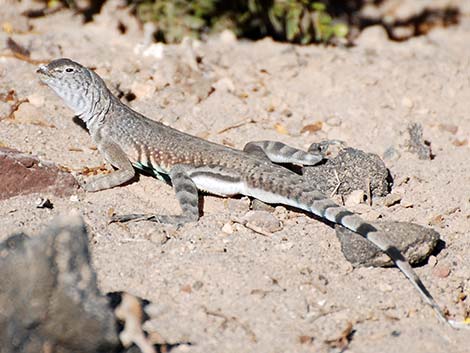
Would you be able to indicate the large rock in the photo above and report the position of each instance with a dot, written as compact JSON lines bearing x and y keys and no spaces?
{"x":49,"y":300}
{"x":415,"y":242}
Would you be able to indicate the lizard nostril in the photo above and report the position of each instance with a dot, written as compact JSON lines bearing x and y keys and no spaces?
{"x":41,"y":69}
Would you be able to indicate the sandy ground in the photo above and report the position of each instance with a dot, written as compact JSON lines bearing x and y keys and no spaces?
{"x":229,"y":289}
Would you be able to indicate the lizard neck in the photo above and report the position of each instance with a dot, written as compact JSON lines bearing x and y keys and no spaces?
{"x":94,"y":112}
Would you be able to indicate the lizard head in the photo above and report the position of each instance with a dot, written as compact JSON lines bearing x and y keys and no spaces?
{"x":74,"y":83}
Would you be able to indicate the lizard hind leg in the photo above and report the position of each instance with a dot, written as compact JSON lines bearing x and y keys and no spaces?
{"x":279,"y":152}
{"x":188,"y":198}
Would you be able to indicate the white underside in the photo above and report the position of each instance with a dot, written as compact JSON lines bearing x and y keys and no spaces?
{"x":218,"y":187}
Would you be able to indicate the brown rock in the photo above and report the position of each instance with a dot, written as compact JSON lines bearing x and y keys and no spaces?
{"x":22,"y":174}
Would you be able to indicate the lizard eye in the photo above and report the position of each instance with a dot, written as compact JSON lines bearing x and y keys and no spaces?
{"x":69,"y":69}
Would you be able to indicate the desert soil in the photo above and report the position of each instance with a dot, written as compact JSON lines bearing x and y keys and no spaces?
{"x":217,"y":284}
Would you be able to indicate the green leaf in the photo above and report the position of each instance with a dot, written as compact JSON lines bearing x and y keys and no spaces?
{"x":340,"y":30}
{"x":293,"y":22}
{"x":318,"y":6}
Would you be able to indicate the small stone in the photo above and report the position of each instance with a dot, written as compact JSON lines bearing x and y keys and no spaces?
{"x":227,"y":228}
{"x":227,"y":37}
{"x":334,"y":121}
{"x":391,"y":200}
{"x":238,"y":205}
{"x":355,"y":198}
{"x":74,"y":198}
{"x":432,"y":261}
{"x":263,"y":220}
{"x":391,"y":154}
{"x":197,"y":285}
{"x":258,"y":205}
{"x":402,"y":32}
{"x":441,"y":271}
{"x":372,"y":36}
{"x":407,"y":204}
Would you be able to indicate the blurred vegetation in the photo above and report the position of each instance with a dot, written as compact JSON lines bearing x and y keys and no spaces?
{"x":297,"y":21}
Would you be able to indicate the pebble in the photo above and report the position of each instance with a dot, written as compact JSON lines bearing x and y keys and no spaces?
{"x":264,"y":220}
{"x":372,"y":36}
{"x":355,"y":198}
{"x":227,"y":228}
{"x":441,"y":271}
{"x":228,"y":37}
{"x":391,"y":200}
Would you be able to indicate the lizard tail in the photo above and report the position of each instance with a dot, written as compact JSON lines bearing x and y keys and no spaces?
{"x":323,"y":207}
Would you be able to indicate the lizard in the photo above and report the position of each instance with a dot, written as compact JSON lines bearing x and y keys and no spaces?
{"x":128,"y":141}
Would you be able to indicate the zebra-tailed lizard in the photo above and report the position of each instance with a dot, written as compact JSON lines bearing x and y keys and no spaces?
{"x":129,"y":140}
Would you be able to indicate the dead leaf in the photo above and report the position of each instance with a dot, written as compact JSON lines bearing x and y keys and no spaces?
{"x":460,"y":142}
{"x":311,"y":128}
{"x":281,"y":129}
{"x":7,"y":27}
{"x":305,"y":339}
{"x":186,"y":288}
{"x":95,"y":170}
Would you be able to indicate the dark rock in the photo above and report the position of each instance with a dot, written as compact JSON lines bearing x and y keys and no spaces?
{"x":415,"y":242}
{"x":22,"y":174}
{"x":49,"y":300}
{"x":355,"y":169}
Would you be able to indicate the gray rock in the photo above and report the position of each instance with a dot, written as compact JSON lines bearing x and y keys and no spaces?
{"x":355,"y":169}
{"x":49,"y":300}
{"x":414,"y":241}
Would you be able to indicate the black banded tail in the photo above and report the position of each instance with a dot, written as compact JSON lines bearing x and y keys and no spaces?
{"x":324,"y":207}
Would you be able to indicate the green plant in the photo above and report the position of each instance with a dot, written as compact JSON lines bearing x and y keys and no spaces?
{"x":298,"y":21}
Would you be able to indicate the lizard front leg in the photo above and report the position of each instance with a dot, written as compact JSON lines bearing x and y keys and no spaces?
{"x":279,"y":152}
{"x":114,"y":155}
{"x":187,"y":194}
